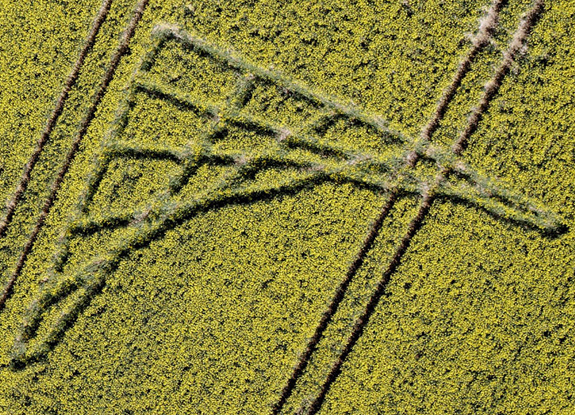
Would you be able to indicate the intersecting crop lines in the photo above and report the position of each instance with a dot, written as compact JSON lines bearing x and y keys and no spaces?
{"x":286,"y":159}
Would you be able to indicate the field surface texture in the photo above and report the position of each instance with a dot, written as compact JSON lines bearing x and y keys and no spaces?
{"x":276,"y":207}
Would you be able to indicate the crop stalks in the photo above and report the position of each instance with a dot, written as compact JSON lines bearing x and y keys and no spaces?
{"x":239,"y":185}
{"x":96,"y":99}
{"x":68,"y":85}
{"x":429,"y":196}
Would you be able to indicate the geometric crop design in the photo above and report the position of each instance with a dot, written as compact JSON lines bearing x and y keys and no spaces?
{"x":297,"y":157}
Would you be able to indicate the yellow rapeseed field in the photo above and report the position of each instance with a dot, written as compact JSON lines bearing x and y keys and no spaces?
{"x":271,"y":207}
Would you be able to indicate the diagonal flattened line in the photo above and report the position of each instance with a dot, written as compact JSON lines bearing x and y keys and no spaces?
{"x":96,"y":99}
{"x":486,"y":29}
{"x":334,"y":304}
{"x":69,"y":84}
{"x":491,"y":89}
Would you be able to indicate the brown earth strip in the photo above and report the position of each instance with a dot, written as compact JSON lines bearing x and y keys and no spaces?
{"x":491,"y":89}
{"x":96,"y":99}
{"x":486,"y":30}
{"x":70,"y":81}
{"x":487,"y":27}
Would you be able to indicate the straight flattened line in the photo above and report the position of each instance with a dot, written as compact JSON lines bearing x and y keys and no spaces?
{"x":362,"y":321}
{"x":334,"y":304}
{"x":69,"y":84}
{"x":491,"y":89}
{"x":235,"y":101}
{"x":120,"y":51}
{"x":274,"y":159}
{"x":250,"y":122}
{"x":157,"y":90}
{"x":486,"y":30}
{"x":153,"y":153}
{"x":502,"y":203}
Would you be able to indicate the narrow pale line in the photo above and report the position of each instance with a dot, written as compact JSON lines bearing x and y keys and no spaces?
{"x":97,"y":98}
{"x":486,"y":29}
{"x":69,"y":84}
{"x":491,"y":89}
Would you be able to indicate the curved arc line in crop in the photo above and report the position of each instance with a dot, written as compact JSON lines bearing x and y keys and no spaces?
{"x":361,"y":169}
{"x":56,"y":112}
{"x":84,"y":125}
{"x":430,"y":195}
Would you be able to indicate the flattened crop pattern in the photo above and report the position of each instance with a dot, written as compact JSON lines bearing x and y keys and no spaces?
{"x":301,"y":161}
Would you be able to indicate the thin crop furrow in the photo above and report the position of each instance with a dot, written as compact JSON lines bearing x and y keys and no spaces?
{"x":428,"y":198}
{"x":243,"y":91}
{"x":251,"y":123}
{"x":486,"y":28}
{"x":362,"y":321}
{"x":68,"y":85}
{"x":198,"y":155}
{"x":492,"y":87}
{"x":96,"y":99}
{"x":94,"y":180}
{"x":333,"y":305}
{"x":484,"y":35}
